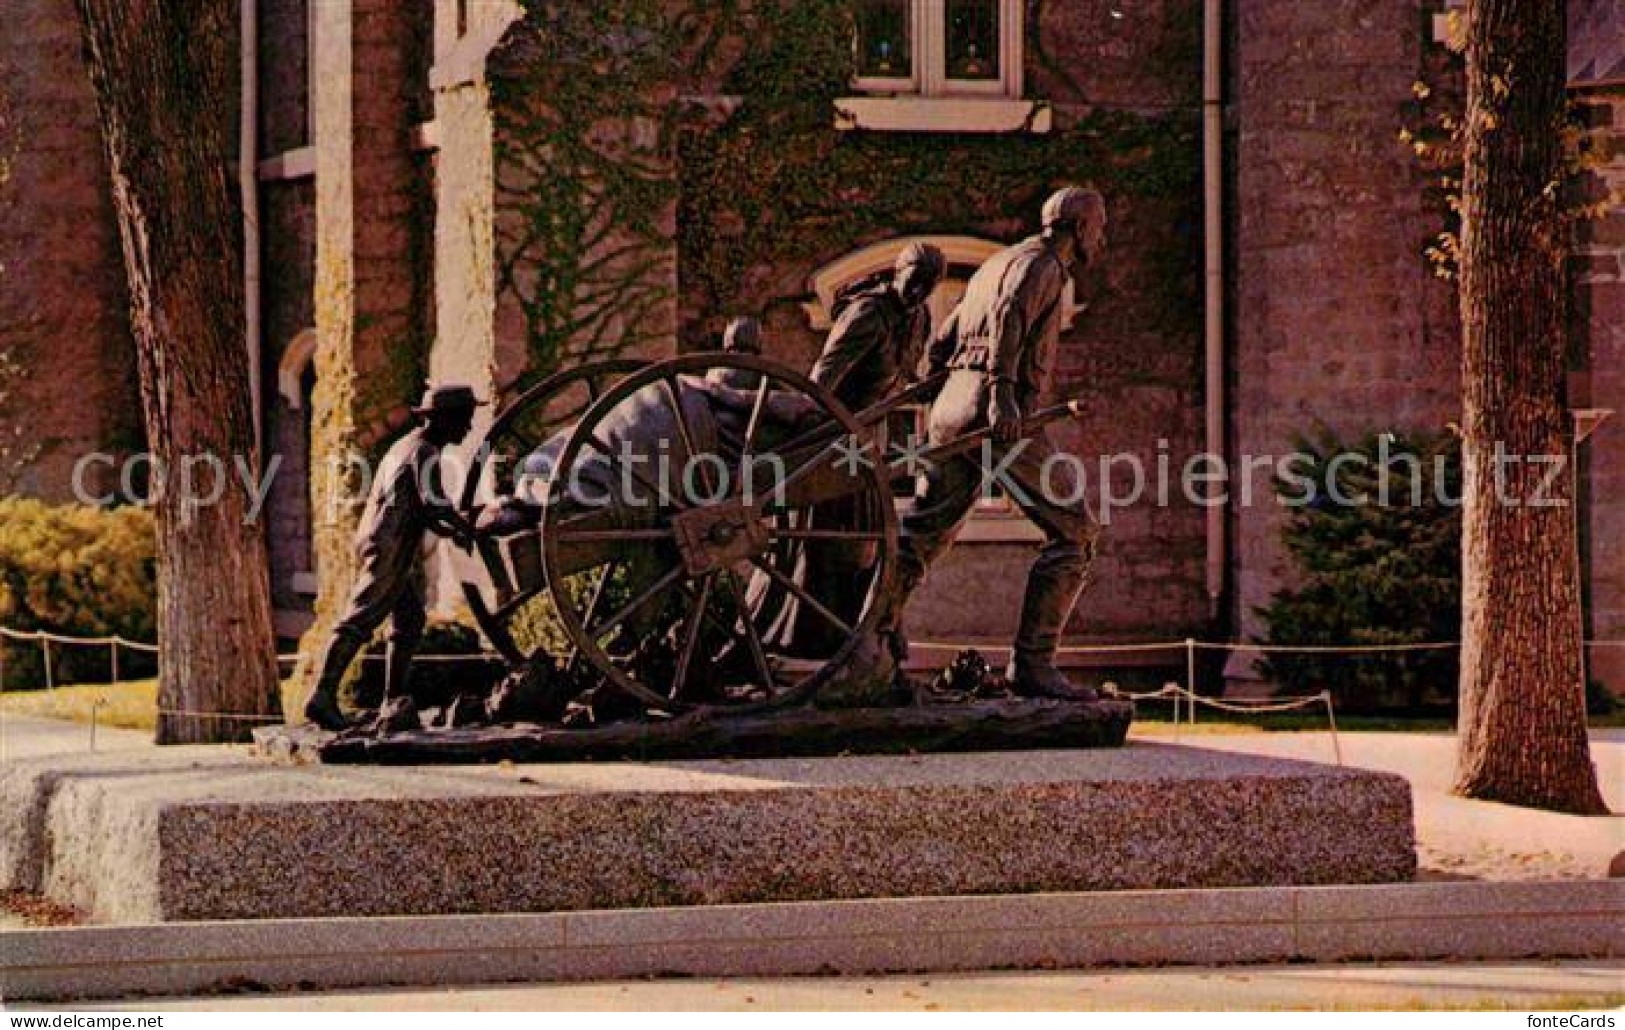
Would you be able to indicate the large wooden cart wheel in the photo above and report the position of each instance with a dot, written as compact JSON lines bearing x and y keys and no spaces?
{"x":653,"y":578}
{"x":497,"y":467}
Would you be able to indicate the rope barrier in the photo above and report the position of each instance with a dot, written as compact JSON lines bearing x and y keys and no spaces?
{"x":239,"y":717}
{"x":1172,"y":691}
{"x":1175,"y":692}
{"x":37,"y":636}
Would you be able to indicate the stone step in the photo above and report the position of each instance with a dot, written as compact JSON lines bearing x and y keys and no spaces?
{"x":216,"y":833}
{"x":1408,"y":922}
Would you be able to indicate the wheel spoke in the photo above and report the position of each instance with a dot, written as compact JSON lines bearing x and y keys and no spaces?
{"x":801,"y":592}
{"x":686,"y":659}
{"x":755,"y":423}
{"x":674,"y":395}
{"x":710,"y":616}
{"x":753,"y":639}
{"x":637,"y":602}
{"x":828,"y":534}
{"x":505,"y":612}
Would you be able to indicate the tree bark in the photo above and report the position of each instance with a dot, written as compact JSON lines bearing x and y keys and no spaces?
{"x":1522,"y":719}
{"x":164,"y":76}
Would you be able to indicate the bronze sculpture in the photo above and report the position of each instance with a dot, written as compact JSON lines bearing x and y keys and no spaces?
{"x":880,"y":327}
{"x":406,"y":501}
{"x":998,"y":348}
{"x":650,"y":596}
{"x":875,"y":345}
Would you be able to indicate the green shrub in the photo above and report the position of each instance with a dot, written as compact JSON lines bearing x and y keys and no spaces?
{"x":1599,"y":699}
{"x":1373,"y":573}
{"x":78,"y":571}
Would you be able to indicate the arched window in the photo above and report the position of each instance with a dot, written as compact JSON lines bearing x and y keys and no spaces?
{"x":290,"y":371}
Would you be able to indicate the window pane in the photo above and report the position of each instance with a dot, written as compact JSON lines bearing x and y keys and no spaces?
{"x":973,"y":39}
{"x":885,"y":39}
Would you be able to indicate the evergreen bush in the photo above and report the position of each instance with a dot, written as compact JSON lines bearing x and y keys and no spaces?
{"x":1378,"y":552}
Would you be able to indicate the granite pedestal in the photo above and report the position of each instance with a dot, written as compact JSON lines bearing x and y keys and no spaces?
{"x":214,"y":833}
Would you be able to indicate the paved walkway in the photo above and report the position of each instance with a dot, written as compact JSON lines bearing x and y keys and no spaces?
{"x":1458,"y":838}
{"x":28,"y":737}
{"x":23,"y":736}
{"x":1517,"y":986}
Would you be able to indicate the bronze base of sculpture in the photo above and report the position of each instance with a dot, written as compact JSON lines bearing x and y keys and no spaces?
{"x":1001,"y":724}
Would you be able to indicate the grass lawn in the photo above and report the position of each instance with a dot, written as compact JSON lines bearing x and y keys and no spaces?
{"x":132,"y":705}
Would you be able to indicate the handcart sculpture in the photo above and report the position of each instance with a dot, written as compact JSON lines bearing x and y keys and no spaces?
{"x":656,"y":522}
{"x":691,"y":558}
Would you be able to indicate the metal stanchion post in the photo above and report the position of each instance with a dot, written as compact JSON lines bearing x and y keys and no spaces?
{"x":115,"y":659}
{"x":1190,"y":676}
{"x":1331,"y":719}
{"x":45,"y":650}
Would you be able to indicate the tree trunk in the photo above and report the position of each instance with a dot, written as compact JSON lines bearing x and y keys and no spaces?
{"x":165,"y":78}
{"x":1522,"y":723}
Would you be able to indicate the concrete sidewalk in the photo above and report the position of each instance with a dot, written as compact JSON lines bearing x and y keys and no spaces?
{"x":1458,"y":838}
{"x":1514,"y":985}
{"x":24,"y":736}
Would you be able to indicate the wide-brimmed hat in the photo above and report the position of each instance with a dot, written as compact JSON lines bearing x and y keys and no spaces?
{"x":447,"y":399}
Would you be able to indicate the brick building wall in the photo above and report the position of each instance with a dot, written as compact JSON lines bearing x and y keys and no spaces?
{"x":287,"y":309}
{"x":1599,"y":382}
{"x":1132,"y":354}
{"x":1338,"y":322}
{"x":64,"y":327}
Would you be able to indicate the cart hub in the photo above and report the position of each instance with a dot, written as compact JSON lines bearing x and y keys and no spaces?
{"x":719,"y":535}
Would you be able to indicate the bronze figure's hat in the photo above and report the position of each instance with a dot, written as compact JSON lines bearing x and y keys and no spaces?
{"x":446,"y":399}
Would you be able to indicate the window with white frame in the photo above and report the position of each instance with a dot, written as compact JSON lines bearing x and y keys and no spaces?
{"x":939,"y":48}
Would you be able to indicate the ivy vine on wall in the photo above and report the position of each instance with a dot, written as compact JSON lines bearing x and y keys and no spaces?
{"x":1434,"y":127}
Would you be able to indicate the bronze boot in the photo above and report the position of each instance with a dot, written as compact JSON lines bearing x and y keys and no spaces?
{"x":323,"y":706}
{"x":1057,"y":578}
